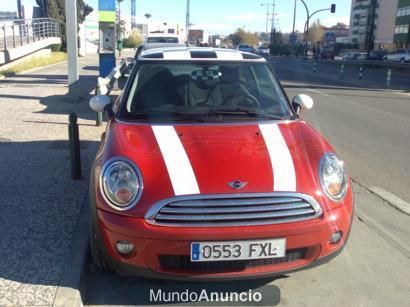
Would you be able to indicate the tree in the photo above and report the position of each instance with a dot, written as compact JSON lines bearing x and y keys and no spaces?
{"x":56,"y":9}
{"x":316,"y":32}
{"x":134,"y":39}
{"x":240,"y":36}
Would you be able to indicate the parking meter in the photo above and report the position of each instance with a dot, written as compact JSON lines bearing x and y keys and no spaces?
{"x":107,"y":46}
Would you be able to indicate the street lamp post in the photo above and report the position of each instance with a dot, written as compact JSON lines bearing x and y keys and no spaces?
{"x":332,"y":9}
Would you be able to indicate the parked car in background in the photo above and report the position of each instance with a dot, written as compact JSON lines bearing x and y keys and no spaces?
{"x":400,"y":55}
{"x":263,"y":51}
{"x":245,"y":48}
{"x":162,"y":39}
{"x":327,"y":54}
{"x":355,"y":56}
{"x":377,"y":55}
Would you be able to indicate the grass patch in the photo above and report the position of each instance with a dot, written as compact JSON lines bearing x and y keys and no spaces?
{"x":34,"y":62}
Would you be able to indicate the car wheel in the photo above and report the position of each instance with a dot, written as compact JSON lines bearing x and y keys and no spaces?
{"x":385,"y":59}
{"x":402,"y":61}
{"x":98,"y":261}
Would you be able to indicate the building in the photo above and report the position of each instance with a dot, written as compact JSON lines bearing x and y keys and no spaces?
{"x":362,"y":14}
{"x":4,"y":16}
{"x":338,"y":30}
{"x":402,"y":25}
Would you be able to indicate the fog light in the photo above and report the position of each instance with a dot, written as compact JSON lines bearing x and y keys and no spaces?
{"x":124,"y":247}
{"x":335,"y":237}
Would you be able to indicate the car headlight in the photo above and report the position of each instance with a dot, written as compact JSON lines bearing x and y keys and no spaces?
{"x":121,"y":183}
{"x":332,"y":176}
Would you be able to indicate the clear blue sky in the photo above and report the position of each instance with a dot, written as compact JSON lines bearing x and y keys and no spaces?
{"x":224,"y":16}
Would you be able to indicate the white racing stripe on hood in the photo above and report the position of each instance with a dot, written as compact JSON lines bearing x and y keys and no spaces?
{"x":179,"y":168}
{"x":284,"y":178}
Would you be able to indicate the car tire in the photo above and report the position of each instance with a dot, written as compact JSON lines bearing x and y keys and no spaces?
{"x":385,"y":59}
{"x":402,"y":61}
{"x":98,"y":261}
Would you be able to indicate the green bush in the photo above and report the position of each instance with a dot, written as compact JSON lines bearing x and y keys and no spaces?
{"x":133,"y":40}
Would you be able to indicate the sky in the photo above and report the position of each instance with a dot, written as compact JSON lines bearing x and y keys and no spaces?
{"x":224,"y":16}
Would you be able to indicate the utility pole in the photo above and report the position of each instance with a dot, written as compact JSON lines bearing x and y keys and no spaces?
{"x":273,"y":22}
{"x":293,"y":29}
{"x":267,"y":19}
{"x":187,"y":24}
{"x":72,"y":50}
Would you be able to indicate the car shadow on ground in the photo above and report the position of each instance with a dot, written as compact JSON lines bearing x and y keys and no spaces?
{"x":109,"y":288}
{"x":40,"y":206}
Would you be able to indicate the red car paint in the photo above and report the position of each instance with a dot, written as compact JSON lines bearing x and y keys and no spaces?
{"x":218,"y":153}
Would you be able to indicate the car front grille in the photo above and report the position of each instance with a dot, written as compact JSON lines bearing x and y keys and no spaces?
{"x":234,"y":210}
{"x":183,"y":262}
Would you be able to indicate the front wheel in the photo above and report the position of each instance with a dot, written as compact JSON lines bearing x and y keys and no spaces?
{"x":402,"y":61}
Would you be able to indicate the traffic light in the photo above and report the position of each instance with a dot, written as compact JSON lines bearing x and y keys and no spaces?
{"x":333,"y":8}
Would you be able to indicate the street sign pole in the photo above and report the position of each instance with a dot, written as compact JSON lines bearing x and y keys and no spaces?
{"x":71,"y":30}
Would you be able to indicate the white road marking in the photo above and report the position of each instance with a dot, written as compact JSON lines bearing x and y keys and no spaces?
{"x":392,"y":199}
{"x":284,"y":178}
{"x":179,"y":167}
{"x":317,"y":92}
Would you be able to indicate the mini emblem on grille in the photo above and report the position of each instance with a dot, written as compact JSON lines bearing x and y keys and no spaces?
{"x":237,"y":184}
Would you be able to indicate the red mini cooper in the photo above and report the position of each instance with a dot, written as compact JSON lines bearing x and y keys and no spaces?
{"x":206,"y":171}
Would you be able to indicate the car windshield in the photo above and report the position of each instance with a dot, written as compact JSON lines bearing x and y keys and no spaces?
{"x":211,"y":91}
{"x":162,"y":39}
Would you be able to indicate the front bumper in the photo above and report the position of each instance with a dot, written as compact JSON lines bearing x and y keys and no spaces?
{"x":155,"y":243}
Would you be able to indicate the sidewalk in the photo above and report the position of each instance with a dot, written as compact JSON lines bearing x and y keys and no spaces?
{"x":39,"y":202}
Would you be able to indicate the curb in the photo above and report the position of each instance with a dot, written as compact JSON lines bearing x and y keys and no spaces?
{"x":34,"y":69}
{"x":71,"y":283}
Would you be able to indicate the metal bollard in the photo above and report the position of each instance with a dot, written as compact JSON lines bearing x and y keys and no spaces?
{"x":314,"y":66}
{"x":342,"y":69}
{"x":98,"y":115}
{"x":388,"y":78}
{"x":360,"y":72}
{"x":74,"y":139}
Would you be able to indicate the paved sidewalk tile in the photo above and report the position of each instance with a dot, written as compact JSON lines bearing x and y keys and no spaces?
{"x":39,"y":203}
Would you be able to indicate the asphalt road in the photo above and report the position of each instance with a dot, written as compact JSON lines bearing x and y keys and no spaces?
{"x":370,"y":130}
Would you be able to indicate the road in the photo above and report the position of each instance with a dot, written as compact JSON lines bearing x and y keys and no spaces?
{"x":370,"y":130}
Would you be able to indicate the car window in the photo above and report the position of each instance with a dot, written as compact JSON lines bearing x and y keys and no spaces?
{"x":198,"y":88}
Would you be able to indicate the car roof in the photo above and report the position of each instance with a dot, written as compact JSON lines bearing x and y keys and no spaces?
{"x":198,"y":54}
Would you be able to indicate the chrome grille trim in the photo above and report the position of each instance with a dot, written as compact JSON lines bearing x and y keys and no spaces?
{"x":221,"y":210}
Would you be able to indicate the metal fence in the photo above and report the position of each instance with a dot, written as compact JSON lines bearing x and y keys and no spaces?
{"x":19,"y":32}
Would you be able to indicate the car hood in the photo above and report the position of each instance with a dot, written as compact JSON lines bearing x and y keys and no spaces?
{"x":208,"y":158}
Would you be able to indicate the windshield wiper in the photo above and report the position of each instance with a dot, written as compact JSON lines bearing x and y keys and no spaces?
{"x":148,"y":113}
{"x":253,"y":113}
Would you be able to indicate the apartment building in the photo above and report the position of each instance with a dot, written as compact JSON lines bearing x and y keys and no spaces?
{"x":362,"y":14}
{"x":402,"y":25}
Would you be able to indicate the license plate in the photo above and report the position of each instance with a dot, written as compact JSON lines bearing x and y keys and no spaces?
{"x":238,"y":250}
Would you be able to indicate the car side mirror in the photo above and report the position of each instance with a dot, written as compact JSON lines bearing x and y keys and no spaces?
{"x":301,"y":102}
{"x":99,"y":103}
